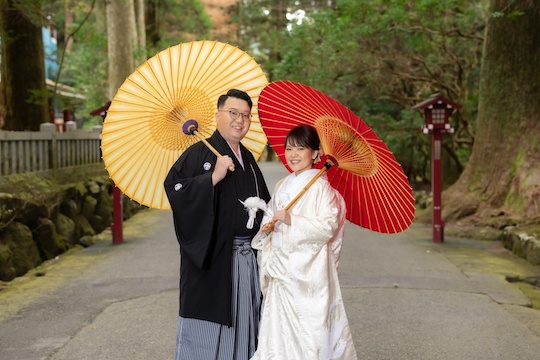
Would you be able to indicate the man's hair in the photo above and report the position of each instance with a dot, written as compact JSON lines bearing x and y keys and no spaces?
{"x":235,"y":93}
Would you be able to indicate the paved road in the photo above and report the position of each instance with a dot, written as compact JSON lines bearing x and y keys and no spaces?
{"x":404,"y":297}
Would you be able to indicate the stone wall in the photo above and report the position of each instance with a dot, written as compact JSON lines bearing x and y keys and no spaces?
{"x":522,"y":244}
{"x":37,"y":226}
{"x":522,"y":240}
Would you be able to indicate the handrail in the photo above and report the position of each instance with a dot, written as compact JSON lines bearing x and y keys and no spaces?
{"x":47,"y":152}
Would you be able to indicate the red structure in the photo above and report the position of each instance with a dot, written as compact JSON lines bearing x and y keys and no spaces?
{"x":118,"y":207}
{"x":437,"y":111}
{"x":118,"y":216}
{"x":101,"y":111}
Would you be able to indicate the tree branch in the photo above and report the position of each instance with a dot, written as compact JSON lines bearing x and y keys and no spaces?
{"x":70,"y":35}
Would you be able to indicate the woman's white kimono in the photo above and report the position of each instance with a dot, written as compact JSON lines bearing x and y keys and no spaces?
{"x":303,"y":316}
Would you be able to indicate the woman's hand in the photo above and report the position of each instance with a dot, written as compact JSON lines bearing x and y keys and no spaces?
{"x":266,"y":228}
{"x":283,"y":216}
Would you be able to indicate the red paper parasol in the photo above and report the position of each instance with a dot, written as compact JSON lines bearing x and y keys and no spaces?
{"x":358,"y":163}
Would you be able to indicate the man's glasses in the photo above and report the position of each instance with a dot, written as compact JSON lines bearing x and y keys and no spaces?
{"x":234,"y":114}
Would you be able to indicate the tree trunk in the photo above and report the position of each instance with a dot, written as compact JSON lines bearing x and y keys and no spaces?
{"x":141,"y":32}
{"x":134,"y":36}
{"x":68,"y":26}
{"x":152,"y":24}
{"x":23,"y":70}
{"x":119,"y":35}
{"x":501,"y":182}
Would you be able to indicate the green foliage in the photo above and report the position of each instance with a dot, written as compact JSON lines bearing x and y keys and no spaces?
{"x":32,"y":9}
{"x":7,"y":213}
{"x":85,"y":66}
{"x":512,"y":14}
{"x":377,"y":57}
{"x":179,"y":21}
{"x":262,"y":26}
{"x":381,"y":57}
{"x":30,"y":187}
{"x":17,"y":191}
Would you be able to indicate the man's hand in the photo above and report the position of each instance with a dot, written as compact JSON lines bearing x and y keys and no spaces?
{"x":223,"y":164}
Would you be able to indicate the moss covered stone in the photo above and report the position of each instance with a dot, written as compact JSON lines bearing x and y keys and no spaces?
{"x":65,"y":227}
{"x":84,"y":226}
{"x":7,"y":270}
{"x":45,"y":219}
{"x":45,"y":237}
{"x":89,"y":206}
{"x":25,"y":254}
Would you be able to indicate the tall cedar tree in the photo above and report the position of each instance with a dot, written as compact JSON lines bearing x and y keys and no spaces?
{"x":120,"y":23}
{"x":23,"y":69}
{"x":501,"y":182}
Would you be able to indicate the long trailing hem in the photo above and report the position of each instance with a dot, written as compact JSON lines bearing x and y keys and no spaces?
{"x":303,"y":314}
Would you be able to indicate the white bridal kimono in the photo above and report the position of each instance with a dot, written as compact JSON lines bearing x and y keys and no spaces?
{"x":303,"y":317}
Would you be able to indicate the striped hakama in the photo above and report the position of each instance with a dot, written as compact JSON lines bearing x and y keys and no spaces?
{"x":204,"y":340}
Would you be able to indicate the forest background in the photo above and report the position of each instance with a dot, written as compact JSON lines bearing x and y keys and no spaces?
{"x":377,"y":57}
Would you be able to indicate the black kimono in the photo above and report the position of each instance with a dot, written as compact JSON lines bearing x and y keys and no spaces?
{"x":206,"y":219}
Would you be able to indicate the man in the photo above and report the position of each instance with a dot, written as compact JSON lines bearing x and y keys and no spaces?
{"x":219,"y":289}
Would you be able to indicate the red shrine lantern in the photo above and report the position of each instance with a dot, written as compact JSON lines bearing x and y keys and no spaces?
{"x":437,"y":111}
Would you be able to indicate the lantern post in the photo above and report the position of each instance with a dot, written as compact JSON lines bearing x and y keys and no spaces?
{"x":437,"y":111}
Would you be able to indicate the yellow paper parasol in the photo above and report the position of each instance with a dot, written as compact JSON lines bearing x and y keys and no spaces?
{"x":142,"y":134}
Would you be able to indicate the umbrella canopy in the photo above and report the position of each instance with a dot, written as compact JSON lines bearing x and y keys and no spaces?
{"x":358,"y":163}
{"x":143,"y":131}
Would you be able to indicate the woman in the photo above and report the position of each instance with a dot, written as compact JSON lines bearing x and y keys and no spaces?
{"x":303,"y":316}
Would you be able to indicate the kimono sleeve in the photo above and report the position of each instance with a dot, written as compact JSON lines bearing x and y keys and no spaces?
{"x":261,"y":240}
{"x":321,"y":218}
{"x":191,"y":197}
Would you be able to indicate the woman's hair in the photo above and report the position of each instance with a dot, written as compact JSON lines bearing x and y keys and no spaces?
{"x":303,"y":135}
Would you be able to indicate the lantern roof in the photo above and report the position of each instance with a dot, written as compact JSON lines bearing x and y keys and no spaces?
{"x":436,"y":98}
{"x":101,"y":111}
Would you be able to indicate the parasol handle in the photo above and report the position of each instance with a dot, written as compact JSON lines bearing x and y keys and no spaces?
{"x":190,"y":128}
{"x":327,"y":165}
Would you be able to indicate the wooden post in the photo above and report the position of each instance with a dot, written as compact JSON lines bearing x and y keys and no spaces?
{"x":118,"y":216}
{"x":436,"y":186}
